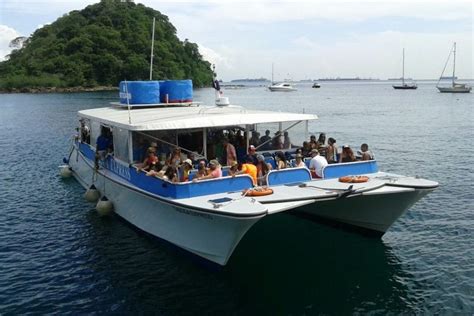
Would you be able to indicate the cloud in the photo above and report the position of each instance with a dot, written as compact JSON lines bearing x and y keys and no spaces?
{"x":213,"y":56}
{"x":7,"y":34}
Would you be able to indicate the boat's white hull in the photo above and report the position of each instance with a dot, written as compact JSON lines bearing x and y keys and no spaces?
{"x":374,"y":212}
{"x":281,"y":89}
{"x":211,"y":236}
{"x":454,"y":89}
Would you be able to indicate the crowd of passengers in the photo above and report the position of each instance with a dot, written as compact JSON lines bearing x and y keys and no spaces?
{"x":177,"y":166}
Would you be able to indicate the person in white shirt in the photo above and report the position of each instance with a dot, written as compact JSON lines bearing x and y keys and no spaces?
{"x":317,"y":164}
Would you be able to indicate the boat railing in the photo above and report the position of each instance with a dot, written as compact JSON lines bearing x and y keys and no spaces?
{"x":349,"y":168}
{"x":289,"y":175}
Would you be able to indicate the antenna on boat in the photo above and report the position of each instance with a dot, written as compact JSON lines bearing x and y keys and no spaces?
{"x":128,"y":103}
{"x":152,"y":45}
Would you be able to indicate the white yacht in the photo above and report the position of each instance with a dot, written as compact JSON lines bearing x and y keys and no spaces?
{"x":209,"y":217}
{"x":282,"y":86}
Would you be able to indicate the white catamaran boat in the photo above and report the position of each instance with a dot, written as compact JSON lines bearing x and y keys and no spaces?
{"x":455,"y":87}
{"x":209,"y":217}
{"x":404,"y":85}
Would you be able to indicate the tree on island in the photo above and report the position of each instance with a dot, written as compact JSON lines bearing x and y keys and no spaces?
{"x":99,"y":46}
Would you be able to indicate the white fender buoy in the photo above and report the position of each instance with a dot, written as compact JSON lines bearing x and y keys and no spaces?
{"x":65,"y":171}
{"x":104,"y":206}
{"x":92,"y":194}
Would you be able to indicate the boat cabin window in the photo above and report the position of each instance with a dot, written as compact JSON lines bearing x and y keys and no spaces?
{"x":95,"y":132}
{"x":120,"y":140}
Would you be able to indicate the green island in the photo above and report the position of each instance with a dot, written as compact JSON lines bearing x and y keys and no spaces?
{"x":99,"y":46}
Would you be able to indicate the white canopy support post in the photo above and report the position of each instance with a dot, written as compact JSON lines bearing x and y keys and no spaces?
{"x":204,"y":142}
{"x":247,"y":136}
{"x":130,"y":147}
{"x":128,"y":103}
{"x":306,"y":130}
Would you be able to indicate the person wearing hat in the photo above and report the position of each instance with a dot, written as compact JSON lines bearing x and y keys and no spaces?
{"x":299,"y":163}
{"x":252,"y":154}
{"x":215,"y":171}
{"x":186,"y":170}
{"x":347,"y":154}
{"x":317,"y":164}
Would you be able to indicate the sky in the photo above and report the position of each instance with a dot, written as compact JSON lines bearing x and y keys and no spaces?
{"x":302,"y":39}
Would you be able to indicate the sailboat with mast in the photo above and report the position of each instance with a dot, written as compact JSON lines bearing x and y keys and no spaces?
{"x":404,"y":85}
{"x":455,"y":87}
{"x":282,"y":86}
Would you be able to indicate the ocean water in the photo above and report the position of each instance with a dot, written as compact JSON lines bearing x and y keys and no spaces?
{"x":57,"y":256}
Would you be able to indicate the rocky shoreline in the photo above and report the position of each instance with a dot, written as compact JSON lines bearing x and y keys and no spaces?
{"x":59,"y":90}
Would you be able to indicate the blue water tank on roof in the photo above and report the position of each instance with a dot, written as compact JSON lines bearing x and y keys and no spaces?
{"x":176,"y":91}
{"x":139,"y":92}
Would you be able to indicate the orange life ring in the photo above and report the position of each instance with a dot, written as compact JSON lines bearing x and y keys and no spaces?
{"x":354,"y":179}
{"x":258,"y":192}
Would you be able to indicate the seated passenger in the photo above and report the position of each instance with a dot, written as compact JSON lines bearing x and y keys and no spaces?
{"x":249,"y":168}
{"x":347,"y":154}
{"x":280,"y":161}
{"x":202,"y":170}
{"x":317,"y":164}
{"x":171,"y":174}
{"x":186,"y":169}
{"x":150,"y":161}
{"x":366,"y":154}
{"x":331,"y":151}
{"x":215,"y":171}
{"x":299,"y":161}
{"x":263,"y":168}
{"x":174,"y":158}
{"x":234,"y":168}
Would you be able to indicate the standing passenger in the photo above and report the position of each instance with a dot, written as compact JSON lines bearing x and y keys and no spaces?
{"x":331,"y":153}
{"x":231,"y":155}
